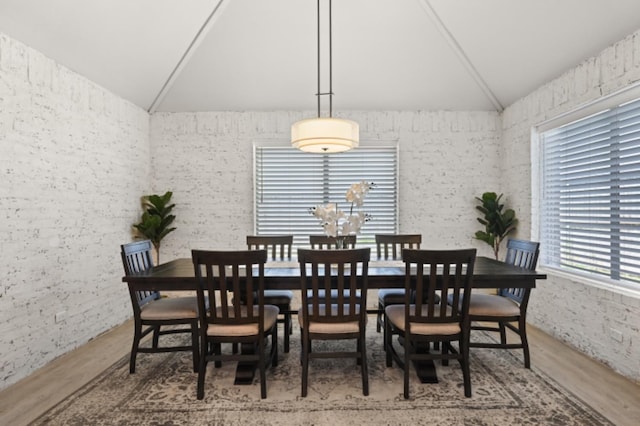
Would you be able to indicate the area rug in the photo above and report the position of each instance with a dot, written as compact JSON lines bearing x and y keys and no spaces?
{"x":163,"y":392}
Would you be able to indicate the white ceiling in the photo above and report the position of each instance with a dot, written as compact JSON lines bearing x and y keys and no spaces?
{"x":261,"y":54}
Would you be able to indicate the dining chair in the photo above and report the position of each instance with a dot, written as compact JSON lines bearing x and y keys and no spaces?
{"x":420,"y":319}
{"x":220,"y":275}
{"x":323,"y":318}
{"x":389,"y":247}
{"x":509,"y":305}
{"x":151,"y":311}
{"x":278,"y":249}
{"x":325,"y":242}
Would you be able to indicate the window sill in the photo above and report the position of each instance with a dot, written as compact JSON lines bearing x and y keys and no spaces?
{"x":623,"y":289}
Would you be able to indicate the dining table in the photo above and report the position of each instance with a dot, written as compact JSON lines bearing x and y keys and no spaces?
{"x":179,"y":275}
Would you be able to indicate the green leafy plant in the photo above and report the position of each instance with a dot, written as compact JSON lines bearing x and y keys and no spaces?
{"x":156,"y":219}
{"x":498,"y":224}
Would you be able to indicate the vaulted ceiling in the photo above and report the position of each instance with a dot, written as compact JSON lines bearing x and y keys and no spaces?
{"x":235,"y":55}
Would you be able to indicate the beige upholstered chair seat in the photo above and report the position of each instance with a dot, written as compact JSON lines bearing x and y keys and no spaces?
{"x":395,"y":314}
{"x":169,"y":308}
{"x":493,"y":305}
{"x":270,"y":317}
{"x":331,"y":328}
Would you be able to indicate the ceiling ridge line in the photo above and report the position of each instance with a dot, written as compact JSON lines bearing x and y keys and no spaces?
{"x":197,"y":39}
{"x":462,"y":56}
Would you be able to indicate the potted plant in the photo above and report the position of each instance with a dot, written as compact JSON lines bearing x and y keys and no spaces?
{"x":498,"y":224}
{"x":156,"y":219}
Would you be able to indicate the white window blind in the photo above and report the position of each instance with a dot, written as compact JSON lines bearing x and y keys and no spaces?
{"x":590,"y":205}
{"x":288,"y":182}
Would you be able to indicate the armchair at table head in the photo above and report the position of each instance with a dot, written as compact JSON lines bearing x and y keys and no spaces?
{"x":152,"y":311}
{"x":509,"y":305}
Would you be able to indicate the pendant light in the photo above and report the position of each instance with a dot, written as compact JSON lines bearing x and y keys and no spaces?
{"x":325,"y":135}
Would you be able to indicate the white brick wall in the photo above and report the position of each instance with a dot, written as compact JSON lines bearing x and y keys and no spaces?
{"x":583,"y":314}
{"x":74,"y":161}
{"x":446,"y":159}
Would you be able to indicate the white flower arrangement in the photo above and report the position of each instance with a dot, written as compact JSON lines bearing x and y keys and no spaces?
{"x":335,"y":222}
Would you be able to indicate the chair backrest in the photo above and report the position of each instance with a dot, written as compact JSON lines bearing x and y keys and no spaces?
{"x":428,"y":272}
{"x":278,"y":246}
{"x":524,"y":254}
{"x":137,"y":257}
{"x":223,"y":274}
{"x":323,"y":242}
{"x":389,"y":246}
{"x":345,"y":271}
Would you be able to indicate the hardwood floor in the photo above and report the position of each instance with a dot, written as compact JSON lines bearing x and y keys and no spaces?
{"x":614,"y":396}
{"x":26,"y":400}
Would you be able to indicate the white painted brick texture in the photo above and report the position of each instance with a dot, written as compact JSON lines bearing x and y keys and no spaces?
{"x":446,"y":159}
{"x":574,"y":310}
{"x":74,"y":161}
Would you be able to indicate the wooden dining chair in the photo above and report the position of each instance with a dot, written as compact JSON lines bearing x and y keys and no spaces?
{"x":151,"y":311}
{"x":389,"y":247}
{"x":220,"y":275}
{"x":278,"y":249}
{"x":420,"y":319}
{"x":507,"y":308}
{"x":325,"y":242}
{"x":323,"y":318}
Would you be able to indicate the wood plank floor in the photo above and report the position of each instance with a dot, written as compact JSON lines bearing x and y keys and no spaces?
{"x":611,"y":394}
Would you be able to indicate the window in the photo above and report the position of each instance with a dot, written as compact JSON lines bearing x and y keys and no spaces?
{"x":288,"y":182}
{"x":590,"y":195}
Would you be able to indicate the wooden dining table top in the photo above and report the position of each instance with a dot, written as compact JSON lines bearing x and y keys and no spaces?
{"x":179,"y":274}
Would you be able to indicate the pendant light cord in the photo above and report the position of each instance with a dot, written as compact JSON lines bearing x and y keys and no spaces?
{"x":318,"y":51}
{"x":330,"y":93}
{"x":330,"y":63}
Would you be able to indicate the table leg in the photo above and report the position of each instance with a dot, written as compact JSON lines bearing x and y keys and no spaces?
{"x":425,"y":369}
{"x":245,"y":370}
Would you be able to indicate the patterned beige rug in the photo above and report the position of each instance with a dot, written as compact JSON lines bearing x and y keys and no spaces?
{"x":163,"y":392}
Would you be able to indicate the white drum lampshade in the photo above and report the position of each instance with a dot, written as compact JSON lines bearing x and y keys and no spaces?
{"x":325,"y":135}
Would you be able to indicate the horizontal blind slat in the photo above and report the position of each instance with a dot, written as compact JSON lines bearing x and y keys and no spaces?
{"x":590,"y":207}
{"x":289,"y":182}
